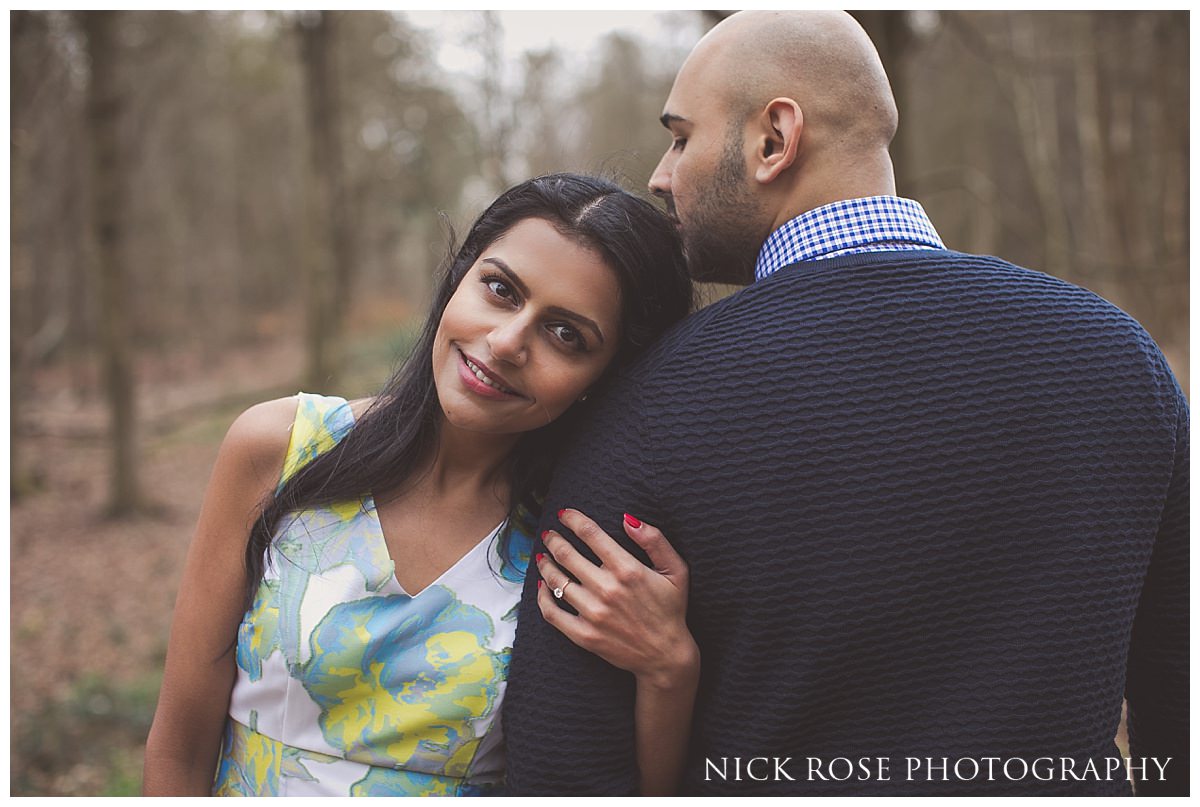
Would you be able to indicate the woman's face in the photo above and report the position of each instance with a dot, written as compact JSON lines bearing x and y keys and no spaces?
{"x":532,"y":325}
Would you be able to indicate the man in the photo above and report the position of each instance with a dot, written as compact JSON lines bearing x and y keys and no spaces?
{"x":934,"y":505}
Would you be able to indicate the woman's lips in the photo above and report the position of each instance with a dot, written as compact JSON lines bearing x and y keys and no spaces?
{"x":488,"y":386}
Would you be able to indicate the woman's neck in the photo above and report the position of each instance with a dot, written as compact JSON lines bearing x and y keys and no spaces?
{"x":469,"y":461}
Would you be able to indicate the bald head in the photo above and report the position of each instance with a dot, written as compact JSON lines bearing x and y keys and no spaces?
{"x":773,"y":114}
{"x":821,"y":59}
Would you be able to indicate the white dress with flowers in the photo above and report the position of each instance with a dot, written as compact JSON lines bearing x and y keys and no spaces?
{"x":346,"y":684}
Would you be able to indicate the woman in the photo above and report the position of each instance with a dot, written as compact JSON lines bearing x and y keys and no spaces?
{"x":302,"y":659}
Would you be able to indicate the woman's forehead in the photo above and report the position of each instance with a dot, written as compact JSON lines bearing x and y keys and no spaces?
{"x":551,"y":265}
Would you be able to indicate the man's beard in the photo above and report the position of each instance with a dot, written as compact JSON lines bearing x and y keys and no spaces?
{"x":719,"y":237}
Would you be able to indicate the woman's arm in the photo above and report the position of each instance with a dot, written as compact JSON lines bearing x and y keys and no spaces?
{"x":633,"y":617}
{"x":181,"y":751}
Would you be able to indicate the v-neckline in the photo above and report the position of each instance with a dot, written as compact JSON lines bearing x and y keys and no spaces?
{"x":374,"y":514}
{"x":369,"y":506}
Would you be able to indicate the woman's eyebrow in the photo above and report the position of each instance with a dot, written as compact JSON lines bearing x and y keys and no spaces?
{"x":579,"y":319}
{"x":513,"y":278}
{"x":510,"y":274}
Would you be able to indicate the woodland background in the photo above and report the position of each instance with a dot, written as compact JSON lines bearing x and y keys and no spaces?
{"x":214,"y":208}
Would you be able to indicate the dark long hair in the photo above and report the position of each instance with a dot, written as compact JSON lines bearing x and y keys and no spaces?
{"x":395,"y":435}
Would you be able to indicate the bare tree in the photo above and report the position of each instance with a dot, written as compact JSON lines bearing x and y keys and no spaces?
{"x":499,"y":116}
{"x":110,"y":171}
{"x":330,"y":256}
{"x":24,"y":84}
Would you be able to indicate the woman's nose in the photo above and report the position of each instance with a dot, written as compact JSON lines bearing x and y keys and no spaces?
{"x":507,"y":342}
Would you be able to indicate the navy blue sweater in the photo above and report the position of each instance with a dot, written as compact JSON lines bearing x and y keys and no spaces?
{"x":934,"y":506}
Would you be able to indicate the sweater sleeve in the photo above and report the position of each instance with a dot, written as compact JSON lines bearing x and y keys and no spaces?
{"x":1157,"y":678}
{"x":569,"y":715}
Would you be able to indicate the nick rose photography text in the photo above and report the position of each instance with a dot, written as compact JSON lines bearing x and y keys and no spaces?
{"x":934,"y":769}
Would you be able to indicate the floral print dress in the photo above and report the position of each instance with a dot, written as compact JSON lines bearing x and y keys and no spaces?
{"x":346,"y":684}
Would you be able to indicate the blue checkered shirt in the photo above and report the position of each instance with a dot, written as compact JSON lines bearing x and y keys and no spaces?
{"x":871,"y":224}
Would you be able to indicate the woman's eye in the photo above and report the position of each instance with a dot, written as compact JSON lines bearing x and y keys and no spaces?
{"x":568,"y":335}
{"x":500,"y":289}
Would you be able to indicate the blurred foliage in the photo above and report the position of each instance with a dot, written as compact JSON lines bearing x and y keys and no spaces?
{"x":1059,"y":141}
{"x":375,"y":356}
{"x":87,"y":743}
{"x":1056,"y":139}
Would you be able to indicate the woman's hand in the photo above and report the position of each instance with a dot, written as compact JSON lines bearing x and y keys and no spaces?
{"x":631,"y":615}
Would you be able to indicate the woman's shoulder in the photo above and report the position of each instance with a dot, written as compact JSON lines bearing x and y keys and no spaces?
{"x":274,"y":438}
{"x":259,"y":437}
{"x":255,"y":447}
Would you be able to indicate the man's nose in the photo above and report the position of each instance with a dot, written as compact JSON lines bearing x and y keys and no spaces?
{"x":507,"y":341}
{"x":660,"y":180}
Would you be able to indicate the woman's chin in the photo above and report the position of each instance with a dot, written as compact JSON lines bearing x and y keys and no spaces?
{"x":470,"y":417}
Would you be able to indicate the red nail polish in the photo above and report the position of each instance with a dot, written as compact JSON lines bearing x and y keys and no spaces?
{"x":540,"y":584}
{"x":631,"y":521}
{"x":539,"y":557}
{"x":544,"y":534}
{"x":560,"y":512}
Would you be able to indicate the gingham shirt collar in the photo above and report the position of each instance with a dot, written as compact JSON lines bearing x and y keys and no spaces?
{"x":870,"y":224}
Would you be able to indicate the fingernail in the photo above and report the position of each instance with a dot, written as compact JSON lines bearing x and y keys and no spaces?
{"x":544,"y":534}
{"x":560,"y":512}
{"x":540,"y":583}
{"x":631,"y":521}
{"x":539,"y":557}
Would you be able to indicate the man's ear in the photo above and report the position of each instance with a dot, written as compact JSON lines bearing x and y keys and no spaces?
{"x":781,"y":121}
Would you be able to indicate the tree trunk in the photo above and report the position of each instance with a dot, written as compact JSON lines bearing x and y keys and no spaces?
{"x":20,"y":482}
{"x":342,"y":219}
{"x":20,"y":269}
{"x":323,"y":299}
{"x":1035,"y":106}
{"x":106,"y":102}
{"x":499,"y":122}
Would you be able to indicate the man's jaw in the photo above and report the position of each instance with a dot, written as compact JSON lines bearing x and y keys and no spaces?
{"x":709,"y":265}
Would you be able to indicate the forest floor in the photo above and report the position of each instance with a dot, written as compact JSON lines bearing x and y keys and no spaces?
{"x":91,"y":597}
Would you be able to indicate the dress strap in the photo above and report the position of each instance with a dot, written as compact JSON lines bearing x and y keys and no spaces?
{"x":321,"y":422}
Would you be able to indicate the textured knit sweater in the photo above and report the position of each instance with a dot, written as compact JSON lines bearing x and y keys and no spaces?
{"x":934,"y":506}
